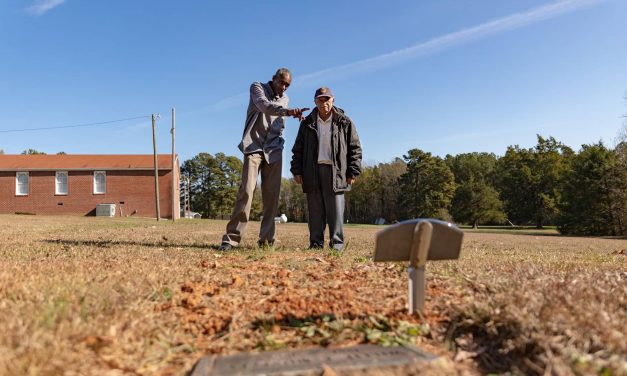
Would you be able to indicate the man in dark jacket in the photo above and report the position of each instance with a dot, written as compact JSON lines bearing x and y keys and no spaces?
{"x":326,"y":160}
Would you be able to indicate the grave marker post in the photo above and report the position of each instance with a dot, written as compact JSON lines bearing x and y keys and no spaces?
{"x":417,"y":241}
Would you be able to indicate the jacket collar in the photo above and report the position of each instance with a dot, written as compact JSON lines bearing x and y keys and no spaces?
{"x":268,"y":85}
{"x":337,"y":115}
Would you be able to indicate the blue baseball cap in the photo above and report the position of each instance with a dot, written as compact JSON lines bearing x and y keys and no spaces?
{"x":323,"y":92}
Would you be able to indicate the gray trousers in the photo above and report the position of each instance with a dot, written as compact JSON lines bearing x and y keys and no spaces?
{"x":270,"y":188}
{"x":326,"y":207}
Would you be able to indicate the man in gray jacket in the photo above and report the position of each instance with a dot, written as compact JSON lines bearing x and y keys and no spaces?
{"x":262,"y":145}
{"x":326,"y":160}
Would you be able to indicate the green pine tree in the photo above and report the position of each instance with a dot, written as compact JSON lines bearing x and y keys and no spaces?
{"x":530,"y":181}
{"x":427,"y":186}
{"x":476,"y":200}
{"x":592,"y":204}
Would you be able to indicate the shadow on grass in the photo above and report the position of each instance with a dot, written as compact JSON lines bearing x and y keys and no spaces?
{"x":513,"y":232}
{"x":112,"y":243}
{"x":536,"y":233}
{"x":294,"y":321}
{"x":500,"y":344}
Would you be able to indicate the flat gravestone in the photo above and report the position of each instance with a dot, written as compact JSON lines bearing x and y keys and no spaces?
{"x":301,"y":362}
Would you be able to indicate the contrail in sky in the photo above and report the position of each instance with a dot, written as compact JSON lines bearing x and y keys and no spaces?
{"x":431,"y":46}
{"x":447,"y":41}
{"x":42,"y":6}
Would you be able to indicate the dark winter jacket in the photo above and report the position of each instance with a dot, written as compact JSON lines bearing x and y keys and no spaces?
{"x":345,"y":147}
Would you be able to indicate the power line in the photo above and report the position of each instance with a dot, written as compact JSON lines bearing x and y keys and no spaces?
{"x":76,"y":125}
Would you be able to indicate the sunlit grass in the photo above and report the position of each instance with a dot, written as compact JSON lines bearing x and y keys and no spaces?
{"x":99,"y":295}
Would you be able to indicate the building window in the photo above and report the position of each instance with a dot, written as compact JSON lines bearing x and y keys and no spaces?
{"x":100,"y":182}
{"x":61,"y":183}
{"x":21,"y":184}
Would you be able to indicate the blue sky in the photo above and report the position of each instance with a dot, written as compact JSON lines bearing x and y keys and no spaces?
{"x":445,"y":76}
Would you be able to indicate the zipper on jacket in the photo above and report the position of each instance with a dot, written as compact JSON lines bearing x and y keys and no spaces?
{"x":314,"y":161}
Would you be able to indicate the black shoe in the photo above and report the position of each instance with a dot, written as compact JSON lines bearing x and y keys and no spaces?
{"x":224,"y":247}
{"x":315,"y":246}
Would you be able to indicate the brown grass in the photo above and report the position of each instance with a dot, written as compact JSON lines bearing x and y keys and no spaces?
{"x":134,"y":296}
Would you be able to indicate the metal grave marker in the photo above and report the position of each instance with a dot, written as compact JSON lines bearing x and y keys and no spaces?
{"x":418,"y":241}
{"x":305,"y":362}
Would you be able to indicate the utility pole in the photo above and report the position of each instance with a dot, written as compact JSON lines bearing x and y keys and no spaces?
{"x":188,"y":205}
{"x":154,"y":148}
{"x":174,"y":176}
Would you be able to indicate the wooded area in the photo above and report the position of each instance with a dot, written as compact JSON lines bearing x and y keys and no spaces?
{"x":583,"y":192}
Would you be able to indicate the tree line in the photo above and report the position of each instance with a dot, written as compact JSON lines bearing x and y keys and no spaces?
{"x":582,"y":193}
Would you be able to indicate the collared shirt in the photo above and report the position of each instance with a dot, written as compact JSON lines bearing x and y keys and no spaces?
{"x":324,"y":140}
{"x":263,"y":132}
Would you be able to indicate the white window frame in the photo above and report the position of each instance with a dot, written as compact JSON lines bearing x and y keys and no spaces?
{"x":57,"y":191}
{"x":104,"y":174}
{"x":17,"y":183}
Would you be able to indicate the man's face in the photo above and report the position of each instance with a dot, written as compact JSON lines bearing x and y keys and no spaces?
{"x":324,"y":104}
{"x":280,"y":84}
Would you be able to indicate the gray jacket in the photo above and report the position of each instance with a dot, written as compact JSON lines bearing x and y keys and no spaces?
{"x":263,"y":132}
{"x":345,"y":147}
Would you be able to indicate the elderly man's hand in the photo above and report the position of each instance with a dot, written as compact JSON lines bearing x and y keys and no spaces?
{"x":298,"y":179}
{"x":350,"y":180}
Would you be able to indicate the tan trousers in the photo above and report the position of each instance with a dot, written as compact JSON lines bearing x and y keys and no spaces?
{"x":270,"y":188}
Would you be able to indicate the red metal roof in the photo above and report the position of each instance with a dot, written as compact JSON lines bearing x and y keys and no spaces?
{"x":84,"y":162}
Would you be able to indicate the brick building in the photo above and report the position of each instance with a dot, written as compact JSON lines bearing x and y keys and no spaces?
{"x":76,"y":184}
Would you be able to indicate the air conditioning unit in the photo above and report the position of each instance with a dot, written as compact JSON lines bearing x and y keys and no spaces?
{"x":105,"y":210}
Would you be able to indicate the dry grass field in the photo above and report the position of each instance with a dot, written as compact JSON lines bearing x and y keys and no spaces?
{"x":120,"y":296}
